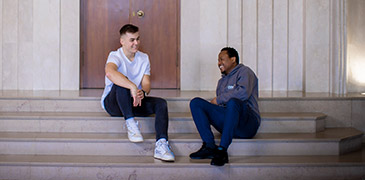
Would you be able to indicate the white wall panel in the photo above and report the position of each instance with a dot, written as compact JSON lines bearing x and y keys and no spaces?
{"x":296,"y":45}
{"x":356,"y":45}
{"x":265,"y":44}
{"x":336,"y":51}
{"x":213,"y":37}
{"x":249,"y":34}
{"x":25,"y":45}
{"x":317,"y":46}
{"x":10,"y":44}
{"x":46,"y":44}
{"x":190,"y":45}
{"x":1,"y":44}
{"x":70,"y":31}
{"x":235,"y":25}
{"x":280,"y":45}
{"x":25,"y":66}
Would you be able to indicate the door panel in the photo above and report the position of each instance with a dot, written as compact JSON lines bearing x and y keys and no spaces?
{"x":158,"y":28}
{"x":100,"y":24}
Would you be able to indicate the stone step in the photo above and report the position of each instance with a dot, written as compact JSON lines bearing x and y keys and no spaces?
{"x":73,"y":105}
{"x":340,"y":111}
{"x":101,"y":122}
{"x":80,"y":167}
{"x":334,"y":141}
{"x":84,"y":101}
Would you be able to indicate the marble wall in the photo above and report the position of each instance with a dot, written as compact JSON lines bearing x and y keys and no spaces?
{"x":203,"y":34}
{"x":297,"y":45}
{"x":40,"y":44}
{"x":291,"y":45}
{"x":356,"y":45}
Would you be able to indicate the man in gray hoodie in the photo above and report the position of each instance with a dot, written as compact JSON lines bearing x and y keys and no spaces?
{"x":234,"y":112}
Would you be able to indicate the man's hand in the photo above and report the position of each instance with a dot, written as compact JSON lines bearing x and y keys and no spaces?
{"x":214,"y":101}
{"x":140,"y":93}
{"x":137,"y":100}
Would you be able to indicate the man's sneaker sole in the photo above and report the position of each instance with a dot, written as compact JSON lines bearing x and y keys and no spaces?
{"x":135,"y":140}
{"x":164,"y":159}
{"x":200,"y":157}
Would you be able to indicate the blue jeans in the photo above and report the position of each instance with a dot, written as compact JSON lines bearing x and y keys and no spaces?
{"x":119,"y":103}
{"x":235,"y":120}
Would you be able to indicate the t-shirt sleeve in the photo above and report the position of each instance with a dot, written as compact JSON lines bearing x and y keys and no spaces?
{"x":148,"y":67}
{"x":113,"y":58}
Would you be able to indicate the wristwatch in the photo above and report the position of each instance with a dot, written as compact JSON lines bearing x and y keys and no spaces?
{"x":144,"y":93}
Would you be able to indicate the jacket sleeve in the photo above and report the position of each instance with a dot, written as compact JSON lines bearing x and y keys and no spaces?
{"x":242,"y":89}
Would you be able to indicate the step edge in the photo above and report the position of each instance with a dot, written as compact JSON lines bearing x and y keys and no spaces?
{"x":172,"y":115}
{"x":172,"y":140}
{"x":158,"y":163}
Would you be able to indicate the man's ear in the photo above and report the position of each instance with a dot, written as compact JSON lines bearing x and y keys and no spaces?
{"x":233,"y":59}
{"x":121,"y":41}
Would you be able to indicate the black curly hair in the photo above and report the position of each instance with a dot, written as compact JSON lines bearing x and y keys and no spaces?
{"x":231,"y":53}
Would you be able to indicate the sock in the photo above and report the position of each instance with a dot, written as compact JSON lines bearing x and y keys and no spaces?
{"x":211,"y":145}
{"x":161,"y":139}
{"x":130,"y":120}
{"x":221,"y":148}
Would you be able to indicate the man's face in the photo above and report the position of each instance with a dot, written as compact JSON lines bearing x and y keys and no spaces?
{"x":225,"y":63}
{"x":130,"y":42}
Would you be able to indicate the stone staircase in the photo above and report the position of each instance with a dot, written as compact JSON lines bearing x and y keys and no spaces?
{"x":71,"y":137}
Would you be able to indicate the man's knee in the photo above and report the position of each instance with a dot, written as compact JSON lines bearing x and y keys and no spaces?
{"x":195,"y":102}
{"x":161,"y":103}
{"x":120,"y":89}
{"x":235,"y":102}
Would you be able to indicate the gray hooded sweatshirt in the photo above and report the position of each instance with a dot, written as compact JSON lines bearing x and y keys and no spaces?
{"x":240,"y":83}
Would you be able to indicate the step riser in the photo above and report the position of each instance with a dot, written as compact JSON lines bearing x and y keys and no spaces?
{"x":176,"y":125}
{"x":248,"y":148}
{"x":174,"y":105}
{"x":89,"y":126}
{"x":51,"y":105}
{"x":169,"y":171}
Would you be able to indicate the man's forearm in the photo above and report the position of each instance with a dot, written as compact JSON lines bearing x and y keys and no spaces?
{"x":120,"y":80}
{"x":146,"y":84}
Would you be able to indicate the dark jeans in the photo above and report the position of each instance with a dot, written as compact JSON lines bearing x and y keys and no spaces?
{"x":233,"y":121}
{"x":120,"y":103}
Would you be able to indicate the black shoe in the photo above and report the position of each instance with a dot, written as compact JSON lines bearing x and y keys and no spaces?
{"x":203,"y":153}
{"x":220,"y":157}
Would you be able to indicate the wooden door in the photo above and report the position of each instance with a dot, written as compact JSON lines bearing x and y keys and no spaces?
{"x":159,"y":32}
{"x":159,"y":38}
{"x":100,"y":24}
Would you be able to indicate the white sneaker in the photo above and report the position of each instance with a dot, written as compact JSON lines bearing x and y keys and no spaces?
{"x":163,"y":151}
{"x":134,"y":135}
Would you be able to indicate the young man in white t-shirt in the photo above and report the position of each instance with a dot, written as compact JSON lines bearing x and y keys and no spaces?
{"x":127,"y":82}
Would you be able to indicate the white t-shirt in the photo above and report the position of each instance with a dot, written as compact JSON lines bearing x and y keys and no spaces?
{"x":133,"y":70}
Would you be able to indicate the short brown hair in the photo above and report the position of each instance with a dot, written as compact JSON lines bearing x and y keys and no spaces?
{"x":130,"y":28}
